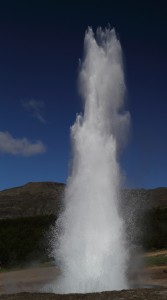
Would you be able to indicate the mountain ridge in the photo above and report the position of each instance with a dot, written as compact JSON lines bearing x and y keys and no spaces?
{"x":45,"y":198}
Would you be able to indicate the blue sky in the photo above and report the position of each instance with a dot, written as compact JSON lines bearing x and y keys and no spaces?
{"x":40,"y":46}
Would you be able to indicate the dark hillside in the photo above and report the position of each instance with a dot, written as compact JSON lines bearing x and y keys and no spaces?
{"x":32,"y":199}
{"x":45,"y":198}
{"x":27,"y":214}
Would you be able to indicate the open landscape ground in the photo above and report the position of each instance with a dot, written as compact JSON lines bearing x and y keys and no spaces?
{"x":137,"y":294}
{"x":34,"y":279}
{"x":28,"y":283}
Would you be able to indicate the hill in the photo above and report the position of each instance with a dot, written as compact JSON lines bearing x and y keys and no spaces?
{"x":45,"y":198}
{"x":28,"y":214}
{"x":31,"y":199}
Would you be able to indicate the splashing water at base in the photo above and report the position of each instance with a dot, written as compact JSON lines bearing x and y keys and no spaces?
{"x":90,"y":248}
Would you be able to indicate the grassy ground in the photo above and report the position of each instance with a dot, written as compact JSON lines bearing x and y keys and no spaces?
{"x":157,"y":258}
{"x":24,"y":267}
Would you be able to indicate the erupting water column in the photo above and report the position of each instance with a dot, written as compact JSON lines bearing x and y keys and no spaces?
{"x":90,"y":248}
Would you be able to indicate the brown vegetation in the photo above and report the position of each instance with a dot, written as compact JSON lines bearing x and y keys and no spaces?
{"x":45,"y":198}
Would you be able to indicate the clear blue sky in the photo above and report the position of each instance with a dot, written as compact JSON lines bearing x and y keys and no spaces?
{"x":40,"y":45}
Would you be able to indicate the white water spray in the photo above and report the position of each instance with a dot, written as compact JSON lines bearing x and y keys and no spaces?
{"x":91,"y":249}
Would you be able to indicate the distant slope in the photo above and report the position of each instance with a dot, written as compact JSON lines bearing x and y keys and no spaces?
{"x":45,"y":198}
{"x":31,"y":199}
{"x":146,"y":199}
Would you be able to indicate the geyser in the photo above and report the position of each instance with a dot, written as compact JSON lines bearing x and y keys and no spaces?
{"x":90,"y":243}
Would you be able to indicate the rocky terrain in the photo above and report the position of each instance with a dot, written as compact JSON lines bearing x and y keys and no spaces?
{"x":137,"y":294}
{"x":45,"y":198}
